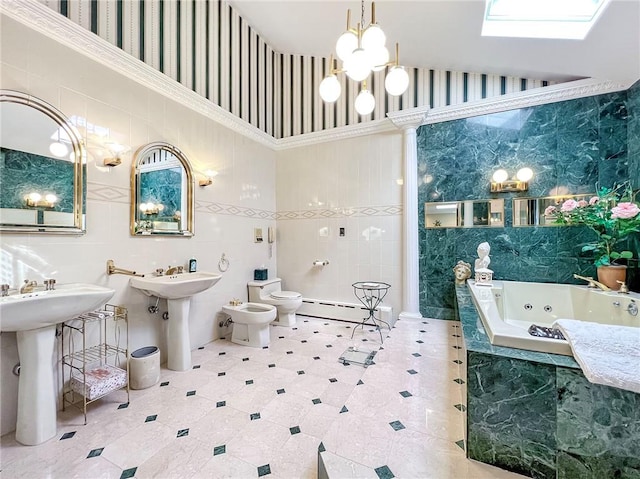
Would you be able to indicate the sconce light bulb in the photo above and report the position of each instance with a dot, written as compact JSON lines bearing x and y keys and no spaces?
{"x":211,"y":173}
{"x":35,"y":196}
{"x":524,"y":174}
{"x":51,"y":198}
{"x":500,"y":176}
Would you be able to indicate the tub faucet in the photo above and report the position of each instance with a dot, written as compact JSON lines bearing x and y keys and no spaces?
{"x":28,"y":286}
{"x":592,"y":282}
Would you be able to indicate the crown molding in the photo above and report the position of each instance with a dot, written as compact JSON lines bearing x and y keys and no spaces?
{"x":47,"y":21}
{"x":412,"y":118}
{"x":59,"y":28}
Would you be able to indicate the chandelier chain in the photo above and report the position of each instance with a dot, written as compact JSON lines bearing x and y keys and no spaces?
{"x":362,"y":14}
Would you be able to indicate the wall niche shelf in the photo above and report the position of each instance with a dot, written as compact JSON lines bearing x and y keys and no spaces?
{"x":95,"y":356}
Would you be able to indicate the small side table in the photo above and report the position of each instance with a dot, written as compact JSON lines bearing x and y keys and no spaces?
{"x":371,"y":294}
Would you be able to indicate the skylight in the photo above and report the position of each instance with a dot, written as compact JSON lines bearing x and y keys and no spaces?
{"x":564,"y":19}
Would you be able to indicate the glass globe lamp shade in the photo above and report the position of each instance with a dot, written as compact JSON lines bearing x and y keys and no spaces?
{"x":357,"y":66}
{"x":378,"y":58}
{"x":373,"y":37}
{"x":500,"y":176}
{"x":330,"y":89}
{"x":346,"y":44}
{"x":524,"y":174}
{"x":397,"y":81}
{"x":365,"y":102}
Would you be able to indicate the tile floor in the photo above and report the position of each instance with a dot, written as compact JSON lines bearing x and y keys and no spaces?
{"x":244,"y":413}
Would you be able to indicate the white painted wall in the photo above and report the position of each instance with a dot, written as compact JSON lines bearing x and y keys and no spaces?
{"x":352,"y":183}
{"x":241,"y":198}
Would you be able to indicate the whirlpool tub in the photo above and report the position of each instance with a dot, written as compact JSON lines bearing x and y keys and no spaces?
{"x":509,"y":308}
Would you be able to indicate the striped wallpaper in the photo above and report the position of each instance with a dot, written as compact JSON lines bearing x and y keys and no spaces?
{"x":206,"y":46}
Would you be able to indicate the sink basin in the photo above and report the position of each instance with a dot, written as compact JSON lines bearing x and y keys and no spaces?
{"x":33,"y":316}
{"x":177,"y":289}
{"x":21,"y":312}
{"x":175,"y":286}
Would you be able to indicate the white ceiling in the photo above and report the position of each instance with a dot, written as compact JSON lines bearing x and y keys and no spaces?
{"x":445,"y":34}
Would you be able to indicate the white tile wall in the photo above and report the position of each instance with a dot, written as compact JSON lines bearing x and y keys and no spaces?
{"x":134,"y":116}
{"x":352,"y":184}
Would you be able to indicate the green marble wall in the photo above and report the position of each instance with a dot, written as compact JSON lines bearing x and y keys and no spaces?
{"x":164,"y":187}
{"x":22,"y":173}
{"x":571,"y":145}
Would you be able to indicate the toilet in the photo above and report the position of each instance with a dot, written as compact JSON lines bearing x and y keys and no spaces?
{"x":251,"y":323}
{"x":270,"y":292}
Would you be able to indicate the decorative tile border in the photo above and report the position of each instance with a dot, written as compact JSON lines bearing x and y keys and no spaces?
{"x":233,"y":210}
{"x":118,"y":194}
{"x":110,"y":193}
{"x":389,"y":210}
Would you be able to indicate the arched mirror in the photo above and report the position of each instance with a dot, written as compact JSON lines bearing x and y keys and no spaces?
{"x":161,"y":192}
{"x":42,"y":168}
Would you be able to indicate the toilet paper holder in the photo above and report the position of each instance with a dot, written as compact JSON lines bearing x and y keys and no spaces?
{"x":321,"y":263}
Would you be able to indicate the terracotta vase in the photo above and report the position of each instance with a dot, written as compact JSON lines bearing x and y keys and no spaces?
{"x":610,"y":275}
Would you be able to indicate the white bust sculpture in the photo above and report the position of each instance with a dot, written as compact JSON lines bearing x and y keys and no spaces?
{"x":483,"y":275}
{"x":483,"y":261}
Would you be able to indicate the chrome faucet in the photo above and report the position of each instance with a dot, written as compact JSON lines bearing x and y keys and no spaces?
{"x":592,"y":282}
{"x":28,"y":286}
{"x":4,"y":290}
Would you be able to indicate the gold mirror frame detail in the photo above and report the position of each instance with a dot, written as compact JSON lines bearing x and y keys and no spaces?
{"x":79,"y":161}
{"x":184,"y":219}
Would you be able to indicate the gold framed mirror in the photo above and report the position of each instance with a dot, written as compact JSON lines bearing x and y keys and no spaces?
{"x":42,"y":168}
{"x":162,"y":187}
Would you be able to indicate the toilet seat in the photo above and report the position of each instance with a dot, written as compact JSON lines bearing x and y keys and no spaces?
{"x":285,"y":295}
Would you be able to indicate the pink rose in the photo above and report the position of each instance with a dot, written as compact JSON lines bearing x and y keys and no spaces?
{"x":549,"y":210}
{"x":582,"y":204}
{"x":625,"y":211}
{"x":593,"y":200}
{"x":569,"y":205}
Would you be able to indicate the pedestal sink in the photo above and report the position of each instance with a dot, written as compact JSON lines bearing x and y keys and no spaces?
{"x":177,"y":289}
{"x":33,"y":316}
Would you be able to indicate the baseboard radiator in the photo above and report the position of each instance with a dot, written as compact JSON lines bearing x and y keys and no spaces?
{"x":350,"y":312}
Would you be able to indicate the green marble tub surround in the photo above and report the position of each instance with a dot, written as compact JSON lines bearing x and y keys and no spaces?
{"x":511,"y":414}
{"x":573,"y":144}
{"x":536,"y":414}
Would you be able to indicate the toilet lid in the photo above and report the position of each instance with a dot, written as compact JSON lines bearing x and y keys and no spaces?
{"x":285,"y":295}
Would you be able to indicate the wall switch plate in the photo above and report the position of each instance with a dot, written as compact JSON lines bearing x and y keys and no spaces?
{"x":257,"y":233}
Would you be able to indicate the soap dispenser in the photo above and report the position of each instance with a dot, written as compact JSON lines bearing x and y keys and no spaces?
{"x":192,"y":265}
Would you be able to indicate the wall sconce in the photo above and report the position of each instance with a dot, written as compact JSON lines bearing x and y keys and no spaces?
{"x":151,"y":208}
{"x":500,"y":181}
{"x":116,"y":149}
{"x":35,"y":200}
{"x":210,"y":175}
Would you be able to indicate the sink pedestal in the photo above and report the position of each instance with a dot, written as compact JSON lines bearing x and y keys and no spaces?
{"x":178,"y":342}
{"x":36,"y":393}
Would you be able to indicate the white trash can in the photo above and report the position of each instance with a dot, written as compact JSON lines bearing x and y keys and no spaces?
{"x":144,"y":367}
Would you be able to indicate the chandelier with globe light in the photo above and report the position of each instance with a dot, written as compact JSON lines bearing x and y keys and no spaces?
{"x":362,"y":51}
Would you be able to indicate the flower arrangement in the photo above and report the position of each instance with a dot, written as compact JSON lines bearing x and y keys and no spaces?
{"x":613,"y":214}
